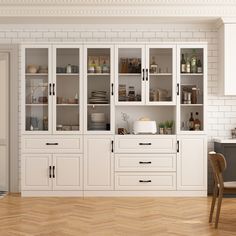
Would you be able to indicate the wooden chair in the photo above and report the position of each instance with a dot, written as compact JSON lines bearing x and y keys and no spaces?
{"x":218,"y":164}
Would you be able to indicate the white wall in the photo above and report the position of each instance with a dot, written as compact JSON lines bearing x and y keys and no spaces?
{"x":221,"y":109}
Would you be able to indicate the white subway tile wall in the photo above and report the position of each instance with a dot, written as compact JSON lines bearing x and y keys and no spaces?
{"x":221,"y":109}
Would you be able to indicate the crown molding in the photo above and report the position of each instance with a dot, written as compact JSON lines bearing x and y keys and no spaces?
{"x":114,"y":8}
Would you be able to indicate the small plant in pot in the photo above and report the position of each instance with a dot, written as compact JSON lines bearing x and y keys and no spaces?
{"x":161,"y":128}
{"x":168,"y":126}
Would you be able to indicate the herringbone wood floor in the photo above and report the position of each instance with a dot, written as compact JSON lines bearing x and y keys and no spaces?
{"x":113,"y":216}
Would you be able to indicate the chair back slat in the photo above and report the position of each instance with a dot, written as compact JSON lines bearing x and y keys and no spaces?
{"x":218,"y":164}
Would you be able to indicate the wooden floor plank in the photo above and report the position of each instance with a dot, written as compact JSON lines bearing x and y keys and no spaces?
{"x":113,"y":216}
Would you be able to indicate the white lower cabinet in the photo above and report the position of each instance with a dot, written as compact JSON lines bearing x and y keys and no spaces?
{"x":99,"y":162}
{"x":52,"y":172}
{"x":192,"y":162}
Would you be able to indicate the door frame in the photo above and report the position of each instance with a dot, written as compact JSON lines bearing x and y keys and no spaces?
{"x":13,"y":135}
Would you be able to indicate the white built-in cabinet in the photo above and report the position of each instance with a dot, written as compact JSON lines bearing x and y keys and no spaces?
{"x":52,"y":172}
{"x":227,"y":51}
{"x":74,"y":98}
{"x":191,"y":162}
{"x":99,"y":162}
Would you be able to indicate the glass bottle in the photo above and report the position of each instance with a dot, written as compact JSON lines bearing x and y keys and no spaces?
{"x":153,"y":66}
{"x":191,"y":122}
{"x":188,"y":66}
{"x":199,"y":66}
{"x":194,"y":62}
{"x":183,"y":64}
{"x":197,"y":123}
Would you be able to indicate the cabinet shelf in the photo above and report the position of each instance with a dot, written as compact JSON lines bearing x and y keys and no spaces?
{"x":129,"y":74}
{"x":67,"y":105}
{"x":67,"y":74}
{"x":36,"y":74}
{"x":98,"y":74}
{"x":98,"y":105}
{"x":160,"y":74}
{"x":191,"y":74}
{"x":36,"y":104}
{"x":192,"y":105}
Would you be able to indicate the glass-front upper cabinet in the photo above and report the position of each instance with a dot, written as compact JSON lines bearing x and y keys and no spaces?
{"x":130,"y":74}
{"x":161,"y":74}
{"x":67,"y":89}
{"x":37,"y":88}
{"x":99,"y":89}
{"x":192,"y":84}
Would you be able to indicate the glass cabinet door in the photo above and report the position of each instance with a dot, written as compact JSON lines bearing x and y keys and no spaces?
{"x":130,"y":73}
{"x":37,"y":89}
{"x":160,"y":89}
{"x":192,"y":74}
{"x":99,"y":89}
{"x":67,"y":97}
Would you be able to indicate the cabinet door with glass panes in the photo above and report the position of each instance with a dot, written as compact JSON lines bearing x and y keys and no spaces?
{"x":192,"y":88}
{"x":67,"y":89}
{"x":161,"y":74}
{"x":99,"y":89}
{"x":37,"y":89}
{"x":130,"y":74}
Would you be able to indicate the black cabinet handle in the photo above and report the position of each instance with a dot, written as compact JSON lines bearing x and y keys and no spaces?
{"x":145,"y":162}
{"x":145,"y":144}
{"x":143,"y":74}
{"x":51,"y":143}
{"x":178,"y":89}
{"x":112,"y":146}
{"x":53,"y":89}
{"x":50,"y":172}
{"x":112,"y":89}
{"x":50,"y":89}
{"x":145,"y":181}
{"x":178,"y":146}
{"x":146,"y":74}
{"x":53,"y":172}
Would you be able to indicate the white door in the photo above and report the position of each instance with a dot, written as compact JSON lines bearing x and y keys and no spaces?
{"x":4,"y":126}
{"x":192,"y":163}
{"x":37,"y":172}
{"x":99,"y":162}
{"x":67,"y":172}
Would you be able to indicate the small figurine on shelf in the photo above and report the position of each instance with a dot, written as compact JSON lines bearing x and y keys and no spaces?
{"x":125,"y":118}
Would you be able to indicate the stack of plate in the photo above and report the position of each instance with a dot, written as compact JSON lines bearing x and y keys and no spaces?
{"x":98,"y":97}
{"x":98,"y":121}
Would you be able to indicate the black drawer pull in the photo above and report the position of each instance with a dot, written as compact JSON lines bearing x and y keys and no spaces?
{"x":145,"y":181}
{"x":112,"y":89}
{"x":145,"y":144}
{"x":53,"y":89}
{"x":50,"y":89}
{"x":50,"y":172}
{"x":143,"y":74}
{"x":145,"y":162}
{"x":51,"y":143}
{"x":53,"y":172}
{"x":146,"y":74}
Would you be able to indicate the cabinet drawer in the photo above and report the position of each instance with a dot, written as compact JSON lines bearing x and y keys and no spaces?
{"x":145,"y":144}
{"x":145,"y":162}
{"x":145,"y":181}
{"x":56,"y":144}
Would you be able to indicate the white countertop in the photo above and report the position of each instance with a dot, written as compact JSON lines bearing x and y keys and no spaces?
{"x":224,"y":140}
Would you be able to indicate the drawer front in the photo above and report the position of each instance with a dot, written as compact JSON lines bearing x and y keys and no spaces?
{"x":145,"y":144}
{"x":51,"y":144}
{"x":145,"y":181}
{"x":145,"y":162}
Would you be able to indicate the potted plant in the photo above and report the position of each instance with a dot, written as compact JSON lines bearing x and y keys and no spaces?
{"x":168,"y":126}
{"x":161,"y":128}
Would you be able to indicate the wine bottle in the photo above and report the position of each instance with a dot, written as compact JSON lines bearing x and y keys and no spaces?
{"x":188,"y":66}
{"x":191,"y":122}
{"x":199,"y":66}
{"x":197,"y":123}
{"x":194,"y":62}
{"x":183,"y":64}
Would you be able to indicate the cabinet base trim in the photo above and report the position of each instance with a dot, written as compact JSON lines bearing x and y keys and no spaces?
{"x":114,"y":193}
